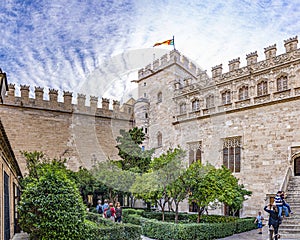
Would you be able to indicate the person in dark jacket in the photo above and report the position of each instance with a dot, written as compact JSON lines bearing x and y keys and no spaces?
{"x":274,"y":220}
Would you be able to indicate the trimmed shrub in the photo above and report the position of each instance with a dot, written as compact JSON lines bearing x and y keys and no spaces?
{"x":104,"y":229}
{"x":192,"y":231}
{"x":192,"y":218}
{"x":51,"y":207}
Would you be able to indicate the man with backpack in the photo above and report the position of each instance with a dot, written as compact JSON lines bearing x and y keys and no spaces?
{"x":99,"y":207}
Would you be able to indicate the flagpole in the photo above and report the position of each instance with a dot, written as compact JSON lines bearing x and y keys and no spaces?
{"x":173,"y":43}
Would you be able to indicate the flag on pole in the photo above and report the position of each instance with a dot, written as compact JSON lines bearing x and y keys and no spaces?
{"x":167,"y":42}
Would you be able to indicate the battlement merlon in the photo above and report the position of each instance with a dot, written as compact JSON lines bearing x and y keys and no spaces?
{"x":291,"y":44}
{"x":270,"y":52}
{"x":234,"y":64}
{"x":216,"y":71}
{"x":38,"y":100}
{"x":166,"y":60}
{"x":251,"y":58}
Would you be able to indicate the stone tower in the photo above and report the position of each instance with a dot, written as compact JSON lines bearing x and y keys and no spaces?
{"x":246,"y":118}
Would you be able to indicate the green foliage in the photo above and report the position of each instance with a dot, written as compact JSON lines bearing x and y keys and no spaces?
{"x":192,"y":231}
{"x":189,"y":218}
{"x":116,"y":180}
{"x":209,"y":185}
{"x":133,"y":157}
{"x":127,"y":211}
{"x":51,"y":206}
{"x":99,"y":228}
{"x":85,"y":181}
{"x":160,"y":184}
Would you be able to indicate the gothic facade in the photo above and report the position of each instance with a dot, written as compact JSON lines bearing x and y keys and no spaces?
{"x":246,"y":119}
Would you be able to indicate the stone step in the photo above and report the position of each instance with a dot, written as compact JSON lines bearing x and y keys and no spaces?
{"x":289,"y":236}
{"x":290,"y":226}
{"x":293,"y":193}
{"x":293,"y":189}
{"x":289,"y":231}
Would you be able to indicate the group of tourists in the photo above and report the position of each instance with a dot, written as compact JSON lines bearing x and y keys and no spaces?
{"x":275,"y":211}
{"x":107,"y":210}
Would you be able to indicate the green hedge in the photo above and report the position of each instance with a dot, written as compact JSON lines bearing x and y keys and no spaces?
{"x":189,"y":218}
{"x":127,"y":211}
{"x":168,"y":231}
{"x":99,"y":228}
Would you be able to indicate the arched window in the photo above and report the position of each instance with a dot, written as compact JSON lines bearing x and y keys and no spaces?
{"x":195,"y":105}
{"x":282,"y":83}
{"x":262,"y":88}
{"x":182,"y":108}
{"x":191,"y":157}
{"x":194,"y":151}
{"x":243,"y":93}
{"x":226,"y":97}
{"x":159,"y":97}
{"x":232,"y":154}
{"x":198,"y":155}
{"x":210,"y":101}
{"x":159,"y":139}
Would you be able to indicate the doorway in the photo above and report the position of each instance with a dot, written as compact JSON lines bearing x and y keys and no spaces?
{"x":297,"y":166}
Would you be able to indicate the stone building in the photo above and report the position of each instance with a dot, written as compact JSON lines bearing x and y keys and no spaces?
{"x":9,"y":188}
{"x":10,"y":175}
{"x":246,"y":118}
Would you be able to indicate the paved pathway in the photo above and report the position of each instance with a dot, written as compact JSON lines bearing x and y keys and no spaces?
{"x":251,"y":235}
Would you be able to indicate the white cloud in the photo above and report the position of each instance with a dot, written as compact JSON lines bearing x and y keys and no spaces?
{"x":61,"y":44}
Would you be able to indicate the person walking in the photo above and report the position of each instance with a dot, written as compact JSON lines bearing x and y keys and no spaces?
{"x":99,"y":207}
{"x":118,"y":218}
{"x":110,"y":212}
{"x":286,"y":206}
{"x":105,"y":206}
{"x":274,"y":220}
{"x":280,"y":204}
{"x":259,"y":218}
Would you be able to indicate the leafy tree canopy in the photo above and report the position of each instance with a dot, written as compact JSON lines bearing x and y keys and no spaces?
{"x":134,"y":158}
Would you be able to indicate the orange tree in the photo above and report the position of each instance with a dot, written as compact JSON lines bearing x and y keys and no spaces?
{"x":209,"y":185}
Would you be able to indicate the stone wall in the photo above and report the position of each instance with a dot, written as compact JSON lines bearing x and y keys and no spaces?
{"x":81,"y":134}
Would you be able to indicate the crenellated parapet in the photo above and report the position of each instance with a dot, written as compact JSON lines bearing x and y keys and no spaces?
{"x":53,"y":104}
{"x":234,"y":69}
{"x":255,"y":66}
{"x":167,"y":60}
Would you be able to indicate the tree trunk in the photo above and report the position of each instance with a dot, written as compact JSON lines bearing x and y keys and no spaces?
{"x":200,"y":211}
{"x":176,"y":211}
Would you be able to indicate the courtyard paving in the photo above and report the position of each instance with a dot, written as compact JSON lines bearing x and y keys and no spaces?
{"x":251,"y":235}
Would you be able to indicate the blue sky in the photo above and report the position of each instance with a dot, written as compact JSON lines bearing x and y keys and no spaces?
{"x":75,"y":45}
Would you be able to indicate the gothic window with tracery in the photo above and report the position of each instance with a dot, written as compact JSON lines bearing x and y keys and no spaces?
{"x":159,"y":97}
{"x":232,"y":154}
{"x":262,"y":88}
{"x":194,"y":151}
{"x":159,"y":139}
{"x":243,"y":93}
{"x":196,"y":105}
{"x":226,"y":97}
{"x":210,"y":101}
{"x":182,"y":108}
{"x":282,"y":83}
